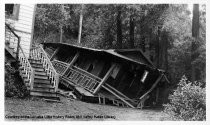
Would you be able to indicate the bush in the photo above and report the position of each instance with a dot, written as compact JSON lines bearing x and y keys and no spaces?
{"x":14,"y":86}
{"x":188,"y":102}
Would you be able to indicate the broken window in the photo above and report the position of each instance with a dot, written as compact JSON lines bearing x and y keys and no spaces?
{"x":12,"y":11}
{"x":144,"y":76}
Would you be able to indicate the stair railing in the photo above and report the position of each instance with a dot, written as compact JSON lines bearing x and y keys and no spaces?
{"x":25,"y":66}
{"x":38,"y":53}
{"x":27,"y":69}
{"x":12,"y":38}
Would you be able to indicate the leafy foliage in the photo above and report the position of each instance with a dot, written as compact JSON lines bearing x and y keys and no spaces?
{"x":188,"y":101}
{"x":14,"y":86}
{"x":162,"y":31}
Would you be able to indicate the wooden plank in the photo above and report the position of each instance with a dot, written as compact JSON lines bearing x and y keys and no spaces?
{"x":25,"y":22}
{"x":22,"y":28}
{"x":23,"y":34}
{"x":105,"y":78}
{"x":121,"y":94}
{"x":25,"y":11}
{"x":27,"y":6}
{"x":119,"y":97}
{"x":72,"y":62}
{"x":26,"y":19}
{"x":55,"y":52}
{"x":25,"y":16}
{"x":153,"y":86}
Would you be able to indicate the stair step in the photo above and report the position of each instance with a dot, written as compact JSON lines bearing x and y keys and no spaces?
{"x":40,"y":73}
{"x":50,"y":89}
{"x":39,"y":69}
{"x":42,"y":81}
{"x":41,"y":77}
{"x":40,"y":85}
{"x":43,"y":94}
{"x":34,"y":60}
{"x":37,"y":66}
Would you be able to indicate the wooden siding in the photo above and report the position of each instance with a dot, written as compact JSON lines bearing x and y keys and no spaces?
{"x":24,"y":26}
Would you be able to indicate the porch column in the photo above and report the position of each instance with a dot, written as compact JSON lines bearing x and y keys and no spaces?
{"x":55,"y":52}
{"x":105,"y":78}
{"x":72,"y":62}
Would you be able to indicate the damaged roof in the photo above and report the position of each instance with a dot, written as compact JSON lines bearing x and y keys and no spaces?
{"x":125,"y":54}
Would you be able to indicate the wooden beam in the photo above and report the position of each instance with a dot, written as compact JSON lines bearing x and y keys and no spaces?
{"x":153,"y":86}
{"x":119,"y":97}
{"x":55,"y":52}
{"x":72,"y":62}
{"x":118,"y":92}
{"x":105,"y":78}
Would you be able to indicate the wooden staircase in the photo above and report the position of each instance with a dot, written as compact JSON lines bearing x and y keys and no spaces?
{"x":35,"y":68}
{"x":42,"y":85}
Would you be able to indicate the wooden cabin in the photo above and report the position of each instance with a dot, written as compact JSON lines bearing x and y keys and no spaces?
{"x":125,"y":76}
{"x":120,"y":77}
{"x":20,"y":17}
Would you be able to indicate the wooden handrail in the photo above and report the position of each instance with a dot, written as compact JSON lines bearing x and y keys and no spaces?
{"x":63,"y":63}
{"x":18,"y":42}
{"x":49,"y":62}
{"x":23,"y":60}
{"x":7,"y":25}
{"x":29,"y":71}
{"x":38,"y":53}
{"x":84,"y":71}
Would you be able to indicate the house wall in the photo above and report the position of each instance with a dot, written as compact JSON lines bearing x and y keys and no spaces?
{"x":23,"y":26}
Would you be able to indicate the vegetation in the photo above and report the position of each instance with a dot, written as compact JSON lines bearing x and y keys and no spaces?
{"x":188,"y":102}
{"x":162,"y":31}
{"x":14,"y":86}
{"x":168,"y":35}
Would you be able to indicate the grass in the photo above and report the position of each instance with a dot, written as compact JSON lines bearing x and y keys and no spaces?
{"x":28,"y":109}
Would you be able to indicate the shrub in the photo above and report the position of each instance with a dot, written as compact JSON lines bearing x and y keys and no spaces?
{"x":14,"y":86}
{"x":188,"y":102}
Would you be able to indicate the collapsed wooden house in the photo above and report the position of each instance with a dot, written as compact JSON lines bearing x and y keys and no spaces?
{"x":121,"y":77}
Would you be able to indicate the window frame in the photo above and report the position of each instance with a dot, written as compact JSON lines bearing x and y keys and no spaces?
{"x":15,"y":13}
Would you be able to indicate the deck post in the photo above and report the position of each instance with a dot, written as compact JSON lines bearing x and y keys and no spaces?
{"x":105,"y":78}
{"x":53,"y":55}
{"x":72,"y":62}
{"x":142,"y":98}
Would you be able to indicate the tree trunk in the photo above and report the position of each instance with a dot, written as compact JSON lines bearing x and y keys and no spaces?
{"x":131,"y":43}
{"x":80,"y":24}
{"x":195,"y":34}
{"x":157,"y":49}
{"x":61,"y":34}
{"x":119,"y":28}
{"x":164,"y":51}
{"x":108,"y":37}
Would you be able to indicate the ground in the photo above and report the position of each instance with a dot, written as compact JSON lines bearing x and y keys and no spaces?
{"x":28,"y":109}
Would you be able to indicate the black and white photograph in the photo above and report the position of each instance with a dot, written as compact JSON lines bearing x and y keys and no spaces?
{"x":104,"y":61}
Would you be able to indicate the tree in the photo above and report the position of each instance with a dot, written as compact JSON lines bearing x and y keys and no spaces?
{"x":119,"y":27}
{"x":80,"y":24}
{"x":195,"y":34}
